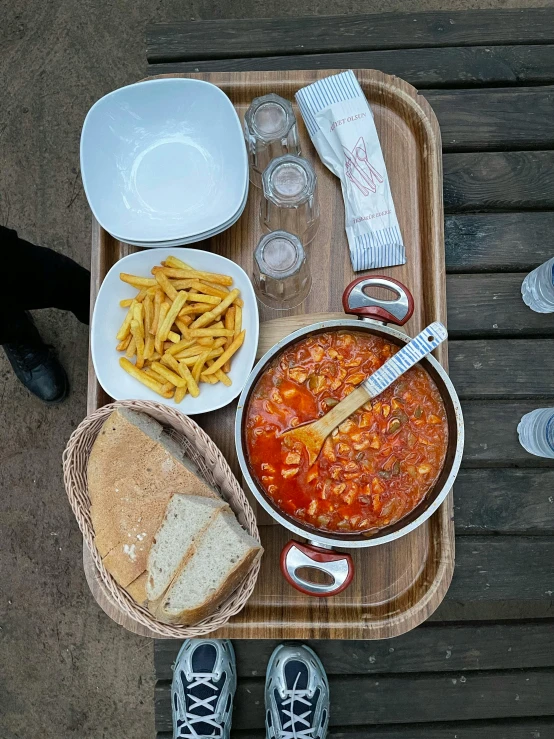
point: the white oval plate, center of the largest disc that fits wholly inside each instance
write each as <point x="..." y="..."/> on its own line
<point x="108" y="317"/>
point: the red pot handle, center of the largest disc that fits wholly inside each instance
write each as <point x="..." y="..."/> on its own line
<point x="336" y="564"/>
<point x="397" y="311"/>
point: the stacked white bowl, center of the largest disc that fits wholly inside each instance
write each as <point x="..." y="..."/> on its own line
<point x="164" y="162"/>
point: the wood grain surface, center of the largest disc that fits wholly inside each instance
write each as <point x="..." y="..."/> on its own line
<point x="500" y="577"/>
<point x="512" y="180"/>
<point x="478" y="120"/>
<point x="516" y="728"/>
<point x="490" y="306"/>
<point x="220" y="39"/>
<point x="450" y="648"/>
<point x="397" y="585"/>
<point x="498" y="242"/>
<point x="502" y="368"/>
<point x="456" y="66"/>
<point x="410" y="699"/>
<point x="490" y="501"/>
<point x="491" y="436"/>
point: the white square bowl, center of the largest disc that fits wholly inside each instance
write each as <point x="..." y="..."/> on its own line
<point x="163" y="159"/>
<point x="199" y="237"/>
<point x="108" y="316"/>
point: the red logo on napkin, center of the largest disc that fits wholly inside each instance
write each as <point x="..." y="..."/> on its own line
<point x="359" y="169"/>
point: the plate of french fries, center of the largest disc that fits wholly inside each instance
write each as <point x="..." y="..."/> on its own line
<point x="175" y="325"/>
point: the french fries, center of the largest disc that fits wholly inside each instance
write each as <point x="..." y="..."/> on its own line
<point x="229" y="324"/>
<point x="182" y="328"/>
<point x="141" y="376"/>
<point x="201" y="298"/>
<point x="180" y="393"/>
<point x="216" y="312"/>
<point x="126" y="325"/>
<point x="196" y="333"/>
<point x="137" y="329"/>
<point x="220" y="361"/>
<point x="170" y="376"/>
<point x="190" y="274"/>
<point x="139" y="282"/>
<point x="177" y="263"/>
<point x="158" y="343"/>
<point x="192" y="386"/>
<point x="158" y="300"/>
<point x="171" y="315"/>
<point x="166" y="285"/>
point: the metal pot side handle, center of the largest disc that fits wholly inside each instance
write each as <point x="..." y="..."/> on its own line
<point x="397" y="311"/>
<point x="337" y="565"/>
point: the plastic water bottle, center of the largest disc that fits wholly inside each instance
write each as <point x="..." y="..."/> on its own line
<point x="536" y="432"/>
<point x="537" y="289"/>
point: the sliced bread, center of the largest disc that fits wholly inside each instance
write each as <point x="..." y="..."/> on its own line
<point x="134" y="468"/>
<point x="221" y="559"/>
<point x="186" y="518"/>
<point x="137" y="589"/>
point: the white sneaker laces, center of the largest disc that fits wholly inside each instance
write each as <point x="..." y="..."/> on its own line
<point x="187" y="730"/>
<point x="291" y="728"/>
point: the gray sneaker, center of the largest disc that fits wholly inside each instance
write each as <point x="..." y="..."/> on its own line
<point x="203" y="688"/>
<point x="296" y="694"/>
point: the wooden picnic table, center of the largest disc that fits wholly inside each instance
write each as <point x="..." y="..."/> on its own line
<point x="483" y="666"/>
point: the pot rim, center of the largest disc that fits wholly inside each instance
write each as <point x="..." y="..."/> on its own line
<point x="313" y="535"/>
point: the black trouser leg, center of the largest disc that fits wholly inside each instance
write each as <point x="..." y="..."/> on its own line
<point x="37" y="277"/>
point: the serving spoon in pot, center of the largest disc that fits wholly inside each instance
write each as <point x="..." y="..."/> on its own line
<point x="312" y="435"/>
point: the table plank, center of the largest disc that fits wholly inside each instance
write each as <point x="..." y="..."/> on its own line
<point x="500" y="577"/>
<point x="451" y="648"/>
<point x="424" y="68"/>
<point x="534" y="728"/>
<point x="502" y="368"/>
<point x="425" y="697"/>
<point x="490" y="433"/>
<point x="490" y="305"/>
<point x="498" y="242"/>
<point x="505" y="501"/>
<point x="219" y="39"/>
<point x="520" y="180"/>
<point x="488" y="119"/>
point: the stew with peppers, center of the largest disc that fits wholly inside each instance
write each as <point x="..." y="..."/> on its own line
<point x="376" y="466"/>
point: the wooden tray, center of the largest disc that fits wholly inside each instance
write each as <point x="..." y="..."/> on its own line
<point x="397" y="585"/>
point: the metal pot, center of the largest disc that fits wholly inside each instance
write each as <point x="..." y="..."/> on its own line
<point x="318" y="553"/>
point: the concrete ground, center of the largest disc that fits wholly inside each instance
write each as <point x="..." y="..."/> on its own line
<point x="65" y="669"/>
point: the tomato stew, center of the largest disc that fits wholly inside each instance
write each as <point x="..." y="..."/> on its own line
<point x="376" y="466"/>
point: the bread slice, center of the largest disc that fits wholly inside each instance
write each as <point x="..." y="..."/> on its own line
<point x="222" y="557"/>
<point x="186" y="518"/>
<point x="137" y="589"/>
<point x="134" y="468"/>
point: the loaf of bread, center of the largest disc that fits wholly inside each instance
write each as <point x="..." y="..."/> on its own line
<point x="133" y="470"/>
<point x="197" y="560"/>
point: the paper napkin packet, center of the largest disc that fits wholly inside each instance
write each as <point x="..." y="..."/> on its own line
<point x="341" y="126"/>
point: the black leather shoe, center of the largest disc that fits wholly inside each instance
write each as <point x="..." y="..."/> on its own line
<point x="36" y="366"/>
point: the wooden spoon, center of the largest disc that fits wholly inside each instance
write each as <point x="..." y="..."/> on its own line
<point x="313" y="434"/>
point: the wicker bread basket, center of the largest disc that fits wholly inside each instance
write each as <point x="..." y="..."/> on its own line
<point x="215" y="470"/>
